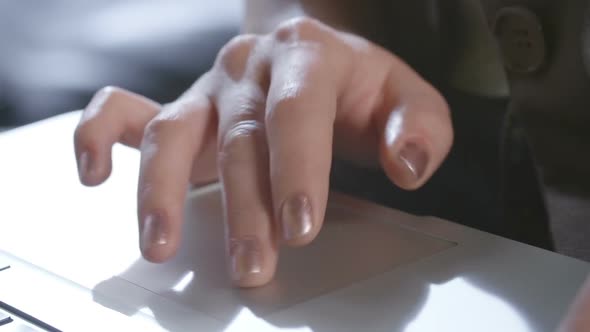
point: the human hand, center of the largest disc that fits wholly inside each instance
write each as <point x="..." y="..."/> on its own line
<point x="265" y="121"/>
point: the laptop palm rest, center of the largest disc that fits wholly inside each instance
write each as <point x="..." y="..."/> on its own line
<point x="350" y="248"/>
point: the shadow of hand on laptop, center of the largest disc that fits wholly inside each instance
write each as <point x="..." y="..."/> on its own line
<point x="323" y="282"/>
<point x="349" y="250"/>
<point x="235" y="309"/>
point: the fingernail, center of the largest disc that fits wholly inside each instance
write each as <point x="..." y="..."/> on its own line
<point x="245" y="258"/>
<point x="296" y="217"/>
<point x="154" y="233"/>
<point x="85" y="166"/>
<point x="414" y="158"/>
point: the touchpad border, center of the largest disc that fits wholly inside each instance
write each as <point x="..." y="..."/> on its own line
<point x="353" y="246"/>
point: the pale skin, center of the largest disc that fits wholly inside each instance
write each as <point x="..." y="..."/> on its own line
<point x="265" y="121"/>
<point x="578" y="319"/>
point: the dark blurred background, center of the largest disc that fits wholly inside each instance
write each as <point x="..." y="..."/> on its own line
<point x="55" y="54"/>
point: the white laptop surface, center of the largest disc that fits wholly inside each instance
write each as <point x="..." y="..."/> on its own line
<point x="75" y="263"/>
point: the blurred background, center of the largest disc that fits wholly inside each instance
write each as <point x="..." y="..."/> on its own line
<point x="55" y="54"/>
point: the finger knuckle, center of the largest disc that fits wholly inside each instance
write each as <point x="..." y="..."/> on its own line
<point x="101" y="100"/>
<point x="296" y="29"/>
<point x="105" y="96"/>
<point x="243" y="131"/>
<point x="239" y="138"/>
<point x="90" y="124"/>
<point x="109" y="91"/>
<point x="161" y="126"/>
<point x="83" y="135"/>
<point x="236" y="52"/>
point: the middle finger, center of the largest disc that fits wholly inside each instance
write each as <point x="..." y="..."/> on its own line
<point x="243" y="169"/>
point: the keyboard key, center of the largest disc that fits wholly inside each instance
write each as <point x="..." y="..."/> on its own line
<point x="23" y="316"/>
<point x="4" y="318"/>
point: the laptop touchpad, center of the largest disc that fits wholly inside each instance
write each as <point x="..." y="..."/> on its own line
<point x="350" y="248"/>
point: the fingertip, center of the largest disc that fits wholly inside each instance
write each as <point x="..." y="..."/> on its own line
<point x="409" y="163"/>
<point x="300" y="241"/>
<point x="416" y="137"/>
<point x="160" y="254"/>
<point x="252" y="282"/>
<point x="157" y="240"/>
<point x="154" y="256"/>
<point x="250" y="265"/>
<point x="92" y="169"/>
<point x="298" y="226"/>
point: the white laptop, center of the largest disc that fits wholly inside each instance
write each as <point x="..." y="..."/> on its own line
<point x="69" y="261"/>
